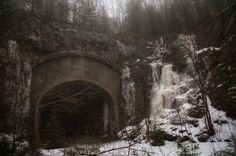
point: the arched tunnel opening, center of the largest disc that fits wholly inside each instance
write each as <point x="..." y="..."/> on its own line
<point x="74" y="113"/>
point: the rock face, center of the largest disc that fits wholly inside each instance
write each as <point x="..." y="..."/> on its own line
<point x="152" y="75"/>
<point x="151" y="78"/>
<point x="15" y="90"/>
<point x="156" y="74"/>
<point x="128" y="94"/>
<point x="221" y="77"/>
<point x="154" y="80"/>
<point x="26" y="41"/>
<point x="19" y="78"/>
<point x="151" y="72"/>
<point x="37" y="38"/>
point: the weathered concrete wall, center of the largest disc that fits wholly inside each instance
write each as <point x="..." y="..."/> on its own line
<point x="65" y="67"/>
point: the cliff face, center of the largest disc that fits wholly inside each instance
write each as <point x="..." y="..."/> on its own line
<point x="168" y="64"/>
<point x="222" y="79"/>
<point x="24" y="40"/>
<point x="35" y="39"/>
<point x="156" y="74"/>
<point x="34" y="36"/>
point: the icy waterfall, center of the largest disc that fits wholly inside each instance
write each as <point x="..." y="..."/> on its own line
<point x="121" y="48"/>
<point x="19" y="78"/>
<point x="128" y="93"/>
<point x="169" y="89"/>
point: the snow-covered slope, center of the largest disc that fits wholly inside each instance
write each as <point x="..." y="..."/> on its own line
<point x="224" y="128"/>
<point x="176" y="111"/>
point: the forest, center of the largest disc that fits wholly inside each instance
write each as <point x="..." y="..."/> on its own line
<point x="117" y="77"/>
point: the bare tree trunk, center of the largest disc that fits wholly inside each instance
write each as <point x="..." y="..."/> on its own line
<point x="201" y="84"/>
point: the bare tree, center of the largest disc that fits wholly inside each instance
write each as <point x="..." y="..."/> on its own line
<point x="201" y="82"/>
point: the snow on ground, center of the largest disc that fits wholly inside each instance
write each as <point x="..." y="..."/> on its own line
<point x="204" y="50"/>
<point x="175" y="122"/>
<point x="142" y="148"/>
<point x="223" y="127"/>
<point x="55" y="152"/>
<point x="167" y="87"/>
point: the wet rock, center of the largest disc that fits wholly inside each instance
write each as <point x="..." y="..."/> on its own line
<point x="182" y="131"/>
<point x="220" y="122"/>
<point x="217" y="122"/>
<point x="184" y="138"/>
<point x="159" y="136"/>
<point x="228" y="140"/>
<point x="193" y="141"/>
<point x="224" y="121"/>
<point x="169" y="137"/>
<point x="194" y="123"/>
<point x="203" y="138"/>
<point x="196" y="112"/>
<point x="174" y="129"/>
<point x="161" y="143"/>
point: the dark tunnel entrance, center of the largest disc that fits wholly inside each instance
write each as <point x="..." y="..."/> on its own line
<point x="75" y="112"/>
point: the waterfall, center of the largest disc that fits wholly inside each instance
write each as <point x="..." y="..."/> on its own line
<point x="168" y="77"/>
<point x="121" y="48"/>
<point x="19" y="79"/>
<point x="128" y="93"/>
<point x="13" y="50"/>
<point x="167" y="89"/>
<point x="155" y="88"/>
<point x="155" y="76"/>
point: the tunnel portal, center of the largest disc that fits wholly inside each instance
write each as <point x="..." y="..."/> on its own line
<point x="70" y="89"/>
<point x="74" y="111"/>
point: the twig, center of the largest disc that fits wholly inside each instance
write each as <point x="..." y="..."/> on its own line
<point x="61" y="100"/>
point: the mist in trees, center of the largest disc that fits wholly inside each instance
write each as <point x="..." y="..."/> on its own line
<point x="89" y="15"/>
<point x="149" y="18"/>
<point x="155" y="18"/>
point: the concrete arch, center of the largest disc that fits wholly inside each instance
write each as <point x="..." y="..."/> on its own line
<point x="66" y="67"/>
